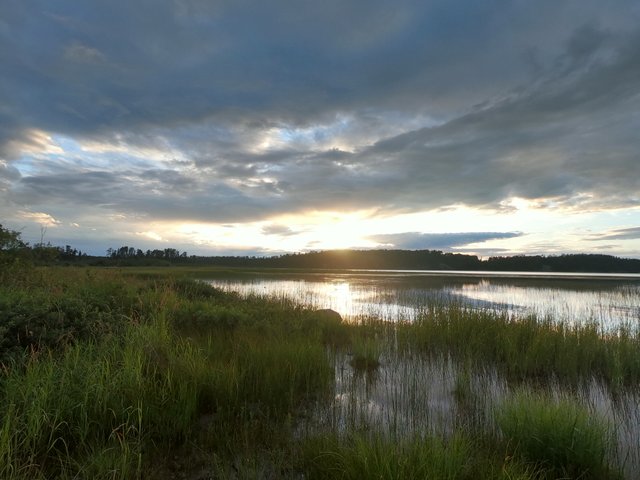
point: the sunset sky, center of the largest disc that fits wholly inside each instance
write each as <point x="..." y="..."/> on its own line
<point x="233" y="127"/>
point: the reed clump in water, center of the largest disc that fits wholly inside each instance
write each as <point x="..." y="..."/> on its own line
<point x="562" y="438"/>
<point x="528" y="348"/>
<point x="365" y="354"/>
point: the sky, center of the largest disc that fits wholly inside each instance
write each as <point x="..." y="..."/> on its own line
<point x="488" y="127"/>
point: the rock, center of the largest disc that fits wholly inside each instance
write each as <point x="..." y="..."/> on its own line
<point x="326" y="314"/>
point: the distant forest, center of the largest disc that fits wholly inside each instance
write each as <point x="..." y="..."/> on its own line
<point x="383" y="260"/>
<point x="13" y="249"/>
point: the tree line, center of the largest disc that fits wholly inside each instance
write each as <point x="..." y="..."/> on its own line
<point x="13" y="249"/>
<point x="126" y="252"/>
<point x="431" y="260"/>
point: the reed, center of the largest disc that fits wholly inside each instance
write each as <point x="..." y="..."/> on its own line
<point x="116" y="374"/>
<point x="528" y="348"/>
<point x="365" y="354"/>
<point x="373" y="456"/>
<point x="559" y="435"/>
<point x="97" y="404"/>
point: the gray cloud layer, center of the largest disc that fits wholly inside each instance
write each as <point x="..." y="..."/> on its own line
<point x="439" y="241"/>
<point x="398" y="107"/>
<point x="619" y="234"/>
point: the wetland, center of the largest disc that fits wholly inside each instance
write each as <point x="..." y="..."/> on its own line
<point x="226" y="373"/>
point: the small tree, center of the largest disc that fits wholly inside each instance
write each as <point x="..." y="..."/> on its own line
<point x="14" y="255"/>
<point x="10" y="241"/>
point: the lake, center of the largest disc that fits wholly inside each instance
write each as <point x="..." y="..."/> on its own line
<point x="416" y="394"/>
<point x="610" y="300"/>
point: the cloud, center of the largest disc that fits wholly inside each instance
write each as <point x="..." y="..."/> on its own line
<point x="275" y="229"/>
<point x="438" y="241"/>
<point x="223" y="112"/>
<point x="161" y="195"/>
<point x="8" y="174"/>
<point x="632" y="233"/>
<point x="151" y="235"/>
<point x="296" y="64"/>
<point x="81" y="53"/>
<point x="42" y="218"/>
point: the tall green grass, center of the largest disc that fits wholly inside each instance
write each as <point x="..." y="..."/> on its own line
<point x="528" y="348"/>
<point x="63" y="414"/>
<point x="101" y="405"/>
<point x="562" y="438"/>
<point x="110" y="374"/>
<point x="72" y="411"/>
<point x="372" y="456"/>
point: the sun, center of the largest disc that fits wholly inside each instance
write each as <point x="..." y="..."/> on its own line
<point x="326" y="230"/>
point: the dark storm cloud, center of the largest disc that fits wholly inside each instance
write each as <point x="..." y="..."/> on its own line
<point x="8" y="173"/>
<point x="105" y="65"/>
<point x="569" y="137"/>
<point x="437" y="103"/>
<point x="444" y="241"/>
<point x="554" y="140"/>
<point x="157" y="195"/>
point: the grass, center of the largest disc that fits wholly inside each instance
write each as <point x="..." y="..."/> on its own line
<point x="560" y="436"/>
<point x="374" y="456"/>
<point x="359" y="456"/>
<point x="101" y="402"/>
<point x="365" y="353"/>
<point x="528" y="348"/>
<point x="110" y="374"/>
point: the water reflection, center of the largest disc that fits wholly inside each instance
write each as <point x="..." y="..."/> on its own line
<point x="411" y="394"/>
<point x="405" y="397"/>
<point x="403" y="295"/>
<point x="605" y="307"/>
<point x="419" y="395"/>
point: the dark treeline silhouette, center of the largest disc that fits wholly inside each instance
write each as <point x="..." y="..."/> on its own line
<point x="379" y="260"/>
<point x="430" y="260"/>
<point x="564" y="263"/>
<point x="13" y="249"/>
<point x="356" y="259"/>
<point x="126" y="252"/>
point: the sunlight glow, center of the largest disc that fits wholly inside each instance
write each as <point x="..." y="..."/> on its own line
<point x="326" y="230"/>
<point x="35" y="142"/>
<point x="159" y="150"/>
<point x="151" y="235"/>
<point x="44" y="219"/>
<point x="542" y="230"/>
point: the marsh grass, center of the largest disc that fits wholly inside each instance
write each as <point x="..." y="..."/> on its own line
<point x="374" y="456"/>
<point x="365" y="354"/>
<point x="529" y="348"/>
<point x="559" y="435"/>
<point x="104" y="403"/>
<point x="75" y="409"/>
<point x="108" y="374"/>
<point x="361" y="456"/>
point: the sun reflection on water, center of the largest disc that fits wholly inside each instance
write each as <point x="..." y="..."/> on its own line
<point x="396" y="298"/>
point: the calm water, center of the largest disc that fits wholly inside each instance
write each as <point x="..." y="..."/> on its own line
<point x="401" y="295"/>
<point x="414" y="394"/>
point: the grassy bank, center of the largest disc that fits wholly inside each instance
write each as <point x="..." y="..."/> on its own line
<point x="140" y="374"/>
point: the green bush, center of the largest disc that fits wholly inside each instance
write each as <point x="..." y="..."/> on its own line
<point x="37" y="321"/>
<point x="202" y="315"/>
<point x="194" y="290"/>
